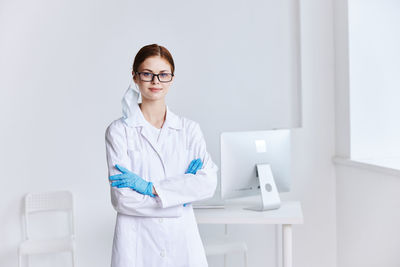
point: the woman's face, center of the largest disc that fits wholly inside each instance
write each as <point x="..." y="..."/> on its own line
<point x="153" y="90"/>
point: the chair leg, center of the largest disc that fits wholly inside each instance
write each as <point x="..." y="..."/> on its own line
<point x="226" y="235"/>
<point x="19" y="260"/>
<point x="73" y="258"/>
<point x="225" y="258"/>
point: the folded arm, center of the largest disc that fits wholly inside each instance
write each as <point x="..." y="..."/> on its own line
<point x="126" y="200"/>
<point x="185" y="188"/>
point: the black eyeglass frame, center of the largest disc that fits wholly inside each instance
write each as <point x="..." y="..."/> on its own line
<point x="152" y="77"/>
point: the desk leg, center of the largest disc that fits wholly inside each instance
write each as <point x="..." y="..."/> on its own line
<point x="278" y="245"/>
<point x="287" y="245"/>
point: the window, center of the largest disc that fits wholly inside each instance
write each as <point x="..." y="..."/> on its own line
<point x="374" y="57"/>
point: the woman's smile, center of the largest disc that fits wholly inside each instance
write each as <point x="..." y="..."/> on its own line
<point x="154" y="89"/>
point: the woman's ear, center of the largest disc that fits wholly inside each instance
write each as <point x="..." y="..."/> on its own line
<point x="134" y="77"/>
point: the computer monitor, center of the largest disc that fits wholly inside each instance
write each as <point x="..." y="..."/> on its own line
<point x="256" y="163"/>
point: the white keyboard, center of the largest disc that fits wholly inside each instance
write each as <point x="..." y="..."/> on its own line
<point x="208" y="206"/>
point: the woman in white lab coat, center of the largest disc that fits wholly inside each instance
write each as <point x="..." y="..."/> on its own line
<point x="150" y="152"/>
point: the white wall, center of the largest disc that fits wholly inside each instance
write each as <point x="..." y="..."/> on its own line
<point x="57" y="97"/>
<point x="314" y="185"/>
<point x="367" y="218"/>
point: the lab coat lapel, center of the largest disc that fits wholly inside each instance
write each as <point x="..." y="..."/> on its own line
<point x="172" y="123"/>
<point x="144" y="131"/>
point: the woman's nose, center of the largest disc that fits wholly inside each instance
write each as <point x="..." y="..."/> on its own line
<point x="155" y="80"/>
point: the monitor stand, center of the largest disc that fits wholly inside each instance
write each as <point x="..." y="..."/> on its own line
<point x="269" y="194"/>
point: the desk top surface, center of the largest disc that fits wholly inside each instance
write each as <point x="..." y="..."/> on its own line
<point x="289" y="213"/>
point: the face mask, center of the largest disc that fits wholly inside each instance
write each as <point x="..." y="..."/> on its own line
<point x="130" y="101"/>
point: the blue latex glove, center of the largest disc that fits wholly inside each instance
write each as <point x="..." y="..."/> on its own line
<point x="131" y="180"/>
<point x="194" y="166"/>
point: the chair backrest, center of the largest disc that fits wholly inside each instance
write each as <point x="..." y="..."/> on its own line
<point x="48" y="202"/>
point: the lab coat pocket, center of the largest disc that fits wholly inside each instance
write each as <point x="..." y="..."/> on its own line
<point x="125" y="241"/>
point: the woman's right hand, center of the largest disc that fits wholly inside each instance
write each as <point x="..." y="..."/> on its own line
<point x="131" y="180"/>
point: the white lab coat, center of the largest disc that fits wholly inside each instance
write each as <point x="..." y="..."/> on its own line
<point x="159" y="231"/>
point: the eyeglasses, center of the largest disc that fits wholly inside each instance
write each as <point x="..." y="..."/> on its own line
<point x="148" y="76"/>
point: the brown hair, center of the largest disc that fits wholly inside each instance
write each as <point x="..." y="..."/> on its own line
<point x="151" y="51"/>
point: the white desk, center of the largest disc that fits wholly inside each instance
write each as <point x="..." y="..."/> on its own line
<point x="288" y="214"/>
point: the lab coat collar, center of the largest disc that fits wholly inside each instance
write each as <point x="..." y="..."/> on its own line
<point x="171" y="121"/>
<point x="137" y="119"/>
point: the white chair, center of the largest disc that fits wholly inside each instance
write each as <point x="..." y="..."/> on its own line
<point x="225" y="247"/>
<point x="47" y="202"/>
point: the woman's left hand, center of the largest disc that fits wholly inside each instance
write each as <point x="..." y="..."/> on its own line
<point x="194" y="166"/>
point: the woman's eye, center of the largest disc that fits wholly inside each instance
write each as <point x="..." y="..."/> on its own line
<point x="164" y="75"/>
<point x="146" y="74"/>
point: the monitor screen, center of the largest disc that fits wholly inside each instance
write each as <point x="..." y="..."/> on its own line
<point x="242" y="151"/>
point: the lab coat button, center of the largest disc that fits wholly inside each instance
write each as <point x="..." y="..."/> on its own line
<point x="160" y="220"/>
<point x="162" y="253"/>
